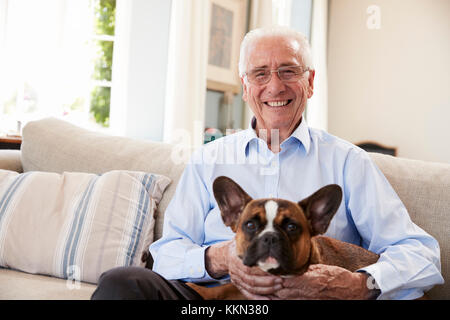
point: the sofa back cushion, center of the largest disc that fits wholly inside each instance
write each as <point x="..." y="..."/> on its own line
<point x="54" y="145"/>
<point x="77" y="225"/>
<point x="424" y="188"/>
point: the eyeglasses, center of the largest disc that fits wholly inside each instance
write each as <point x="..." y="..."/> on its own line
<point x="262" y="76"/>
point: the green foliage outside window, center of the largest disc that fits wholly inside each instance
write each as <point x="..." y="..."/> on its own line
<point x="103" y="61"/>
<point x="105" y="16"/>
<point x="105" y="12"/>
<point x="100" y="100"/>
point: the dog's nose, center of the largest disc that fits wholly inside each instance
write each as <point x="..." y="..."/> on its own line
<point x="269" y="238"/>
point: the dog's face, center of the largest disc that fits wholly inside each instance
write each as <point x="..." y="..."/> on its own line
<point x="275" y="234"/>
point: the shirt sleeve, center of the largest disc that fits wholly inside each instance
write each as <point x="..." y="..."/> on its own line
<point x="180" y="253"/>
<point x="409" y="262"/>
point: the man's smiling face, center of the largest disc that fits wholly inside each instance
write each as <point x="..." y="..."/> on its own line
<point x="277" y="104"/>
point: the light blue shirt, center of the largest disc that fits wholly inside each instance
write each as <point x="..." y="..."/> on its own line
<point x="370" y="215"/>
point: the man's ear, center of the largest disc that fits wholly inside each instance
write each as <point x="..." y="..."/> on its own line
<point x="312" y="74"/>
<point x="244" y="89"/>
<point x="231" y="200"/>
<point x="321" y="206"/>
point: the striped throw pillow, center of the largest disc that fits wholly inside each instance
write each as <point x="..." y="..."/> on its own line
<point x="77" y="225"/>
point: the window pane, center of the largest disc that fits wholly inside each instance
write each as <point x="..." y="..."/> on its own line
<point x="103" y="60"/>
<point x="100" y="102"/>
<point x="105" y="13"/>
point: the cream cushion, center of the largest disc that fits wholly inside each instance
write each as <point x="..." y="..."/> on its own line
<point x="17" y="285"/>
<point x="10" y="160"/>
<point x="77" y="225"/>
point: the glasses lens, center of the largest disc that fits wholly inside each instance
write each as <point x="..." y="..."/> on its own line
<point x="259" y="76"/>
<point x="289" y="73"/>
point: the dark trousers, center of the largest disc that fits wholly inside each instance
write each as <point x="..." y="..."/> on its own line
<point x="138" y="283"/>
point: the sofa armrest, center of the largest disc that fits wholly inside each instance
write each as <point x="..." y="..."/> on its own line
<point x="10" y="160"/>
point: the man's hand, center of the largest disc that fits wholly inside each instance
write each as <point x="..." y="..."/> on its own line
<point x="252" y="281"/>
<point x="326" y="282"/>
<point x="221" y="259"/>
<point x="319" y="282"/>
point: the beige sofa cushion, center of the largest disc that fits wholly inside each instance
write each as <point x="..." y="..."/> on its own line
<point x="77" y="225"/>
<point x="10" y="160"/>
<point x="17" y="285"/>
<point x="57" y="146"/>
<point x="424" y="188"/>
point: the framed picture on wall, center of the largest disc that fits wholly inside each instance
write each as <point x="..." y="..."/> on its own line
<point x="227" y="29"/>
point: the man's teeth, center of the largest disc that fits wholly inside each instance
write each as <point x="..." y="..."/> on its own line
<point x="277" y="103"/>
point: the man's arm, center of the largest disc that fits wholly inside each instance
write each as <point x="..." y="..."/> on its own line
<point x="216" y="259"/>
<point x="409" y="261"/>
<point x="328" y="282"/>
<point x="179" y="254"/>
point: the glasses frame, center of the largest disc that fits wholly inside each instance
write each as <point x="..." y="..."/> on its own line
<point x="303" y="71"/>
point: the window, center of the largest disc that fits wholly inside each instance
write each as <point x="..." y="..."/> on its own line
<point x="103" y="41"/>
<point x="56" y="60"/>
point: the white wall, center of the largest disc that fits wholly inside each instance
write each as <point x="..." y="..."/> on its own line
<point x="3" y="9"/>
<point x="391" y="84"/>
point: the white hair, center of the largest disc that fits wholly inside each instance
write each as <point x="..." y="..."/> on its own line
<point x="270" y="32"/>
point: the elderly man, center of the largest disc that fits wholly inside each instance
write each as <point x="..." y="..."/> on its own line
<point x="277" y="76"/>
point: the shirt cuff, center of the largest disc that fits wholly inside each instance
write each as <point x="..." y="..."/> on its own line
<point x="379" y="271"/>
<point x="195" y="266"/>
<point x="385" y="277"/>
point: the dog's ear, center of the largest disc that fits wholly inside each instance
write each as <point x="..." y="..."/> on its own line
<point x="231" y="200"/>
<point x="321" y="206"/>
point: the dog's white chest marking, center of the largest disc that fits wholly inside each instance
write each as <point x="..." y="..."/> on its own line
<point x="271" y="212"/>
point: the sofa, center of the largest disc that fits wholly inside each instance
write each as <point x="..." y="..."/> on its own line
<point x="53" y="145"/>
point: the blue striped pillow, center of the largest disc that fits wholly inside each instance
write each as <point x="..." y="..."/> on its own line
<point x="77" y="225"/>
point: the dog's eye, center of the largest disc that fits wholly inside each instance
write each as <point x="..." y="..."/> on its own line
<point x="290" y="227"/>
<point x="250" y="225"/>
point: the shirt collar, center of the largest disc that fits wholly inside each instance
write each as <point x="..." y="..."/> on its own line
<point x="301" y="134"/>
